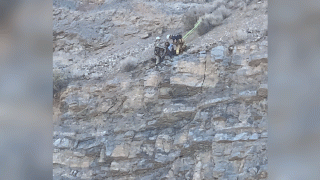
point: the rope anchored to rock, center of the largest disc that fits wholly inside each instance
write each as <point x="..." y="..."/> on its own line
<point x="192" y="30"/>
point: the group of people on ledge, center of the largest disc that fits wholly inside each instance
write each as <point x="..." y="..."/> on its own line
<point x="169" y="49"/>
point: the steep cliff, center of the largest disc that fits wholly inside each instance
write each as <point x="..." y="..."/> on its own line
<point x="199" y="115"/>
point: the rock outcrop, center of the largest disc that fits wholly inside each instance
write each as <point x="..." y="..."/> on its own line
<point x="199" y="115"/>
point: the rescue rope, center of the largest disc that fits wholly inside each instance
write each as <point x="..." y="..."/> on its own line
<point x="192" y="30"/>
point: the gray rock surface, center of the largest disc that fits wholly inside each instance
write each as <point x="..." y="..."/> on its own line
<point x="200" y="115"/>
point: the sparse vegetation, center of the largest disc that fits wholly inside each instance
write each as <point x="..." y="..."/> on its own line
<point x="60" y="81"/>
<point x="128" y="64"/>
<point x="191" y="17"/>
<point x="239" y="36"/>
<point x="211" y="16"/>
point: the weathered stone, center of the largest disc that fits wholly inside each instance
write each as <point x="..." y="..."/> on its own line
<point x="176" y="112"/>
<point x="218" y="150"/>
<point x="207" y="172"/>
<point x="262" y="172"/>
<point x="247" y="94"/>
<point x="232" y="177"/>
<point x="202" y="54"/>
<point x="217" y="53"/>
<point x="253" y="171"/>
<point x="63" y="158"/>
<point x="64" y="134"/>
<point x="79" y="154"/>
<point x="152" y="122"/>
<point x="254" y="136"/>
<point x="194" y="50"/>
<point x="263" y="90"/>
<point x="181" y="138"/>
<point x="211" y="79"/>
<point x="178" y="108"/>
<point x="188" y="73"/>
<point x="117" y="105"/>
<point x="201" y="116"/>
<point x="236" y="60"/>
<point x="144" y="35"/>
<point x="235" y="156"/>
<point x="162" y="158"/>
<point x="99" y="133"/>
<point x="105" y="106"/>
<point x="227" y="150"/>
<point x="135" y="149"/>
<point x="105" y="169"/>
<point x="125" y="166"/>
<point x="62" y="143"/>
<point x="242" y="136"/>
<point x="150" y="93"/>
<point x="110" y="146"/>
<point x="165" y="92"/>
<point x="130" y="32"/>
<point x="129" y="134"/>
<point x="133" y="100"/>
<point x="193" y="116"/>
<point x="152" y="80"/>
<point x="256" y="59"/>
<point x="197" y="171"/>
<point x="222" y="138"/>
<point x="211" y="102"/>
<point x="148" y="149"/>
<point x="89" y="143"/>
<point x="115" y="166"/>
<point x="217" y="173"/>
<point x="264" y="135"/>
<point x="102" y="156"/>
<point x="187" y="80"/>
<point x="121" y="150"/>
<point x="144" y="164"/>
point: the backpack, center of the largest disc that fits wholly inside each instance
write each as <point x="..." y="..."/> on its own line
<point x="176" y="37"/>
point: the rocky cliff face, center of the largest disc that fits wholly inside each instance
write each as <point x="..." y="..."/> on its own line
<point x="200" y="115"/>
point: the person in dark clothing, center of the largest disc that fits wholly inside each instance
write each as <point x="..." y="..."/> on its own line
<point x="158" y="50"/>
<point x="178" y="42"/>
<point x="169" y="49"/>
<point x="175" y="38"/>
<point x="160" y="53"/>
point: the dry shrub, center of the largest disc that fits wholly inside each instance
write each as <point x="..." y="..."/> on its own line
<point x="209" y="21"/>
<point x="224" y="11"/>
<point x="211" y="16"/>
<point x="60" y="81"/>
<point x="128" y="64"/>
<point x="239" y="36"/>
<point x="191" y="17"/>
